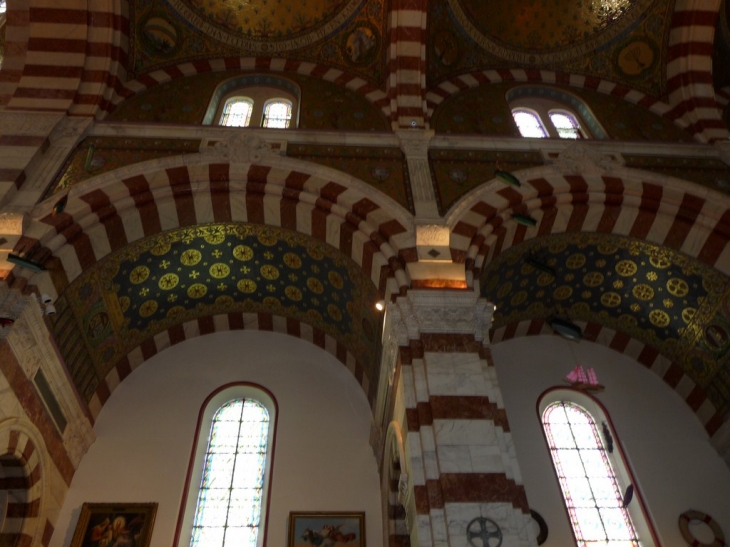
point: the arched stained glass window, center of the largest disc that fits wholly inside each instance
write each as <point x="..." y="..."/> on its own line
<point x="277" y="114"/>
<point x="237" y="112"/>
<point x="228" y="511"/>
<point x="529" y="124"/>
<point x="566" y="125"/>
<point x="590" y="489"/>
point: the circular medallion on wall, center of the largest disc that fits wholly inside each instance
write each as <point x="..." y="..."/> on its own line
<point x="636" y="58"/>
<point x="360" y="45"/>
<point x="159" y="36"/>
<point x="446" y="47"/>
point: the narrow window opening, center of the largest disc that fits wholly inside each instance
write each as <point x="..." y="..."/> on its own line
<point x="237" y="112"/>
<point x="277" y="114"/>
<point x="229" y="507"/>
<point x="566" y="125"/>
<point x="529" y="124"/>
<point x="588" y="482"/>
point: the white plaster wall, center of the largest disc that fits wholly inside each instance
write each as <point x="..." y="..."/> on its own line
<point x="668" y="450"/>
<point x="323" y="460"/>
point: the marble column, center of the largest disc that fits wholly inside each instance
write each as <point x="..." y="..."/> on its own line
<point x="460" y="464"/>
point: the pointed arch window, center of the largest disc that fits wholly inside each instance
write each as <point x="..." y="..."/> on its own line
<point x="529" y="124"/>
<point x="277" y="114"/>
<point x="237" y="112"/>
<point x="230" y="471"/>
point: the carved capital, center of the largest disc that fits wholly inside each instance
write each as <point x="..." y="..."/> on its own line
<point x="13" y="223"/>
<point x="449" y="312"/>
<point x="580" y="158"/>
<point x="415" y="143"/>
<point x="69" y="131"/>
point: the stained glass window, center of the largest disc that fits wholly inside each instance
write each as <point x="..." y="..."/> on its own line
<point x="529" y="124"/>
<point x="588" y="482"/>
<point x="277" y="114"/>
<point x="237" y="112"/>
<point x="566" y="125"/>
<point x="228" y="512"/>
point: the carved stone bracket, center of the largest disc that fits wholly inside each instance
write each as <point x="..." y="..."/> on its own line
<point x="415" y="144"/>
<point x="241" y="149"/>
<point x="13" y="223"/>
<point x="580" y="158"/>
<point x="449" y="312"/>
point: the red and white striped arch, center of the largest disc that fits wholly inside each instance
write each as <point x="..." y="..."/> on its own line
<point x="125" y="90"/>
<point x="689" y="69"/>
<point x="406" y="55"/>
<point x="670" y="372"/>
<point x="53" y="51"/>
<point x="21" y="479"/>
<point x="115" y="209"/>
<point x="222" y="323"/>
<point x="450" y="87"/>
<point x="675" y="214"/>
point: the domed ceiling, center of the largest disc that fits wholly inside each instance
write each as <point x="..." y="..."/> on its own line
<point x="346" y="33"/>
<point x="247" y="22"/>
<point x="665" y="299"/>
<point x="624" y="41"/>
<point x="542" y="26"/>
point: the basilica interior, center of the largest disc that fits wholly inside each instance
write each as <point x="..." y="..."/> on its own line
<point x="409" y="229"/>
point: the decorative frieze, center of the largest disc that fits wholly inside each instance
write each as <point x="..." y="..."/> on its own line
<point x="445" y="312"/>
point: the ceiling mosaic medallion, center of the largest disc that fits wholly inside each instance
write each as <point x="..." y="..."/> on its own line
<point x="181" y="275"/>
<point x="660" y="297"/>
<point x="546" y="31"/>
<point x="269" y="26"/>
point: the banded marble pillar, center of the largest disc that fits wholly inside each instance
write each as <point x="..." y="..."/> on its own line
<point x="460" y="463"/>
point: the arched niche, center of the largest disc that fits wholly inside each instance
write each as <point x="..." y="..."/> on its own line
<point x="322" y="461"/>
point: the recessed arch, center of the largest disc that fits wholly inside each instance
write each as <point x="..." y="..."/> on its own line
<point x="117" y="208"/>
<point x="277" y="67"/>
<point x="21" y="481"/>
<point x="622" y="201"/>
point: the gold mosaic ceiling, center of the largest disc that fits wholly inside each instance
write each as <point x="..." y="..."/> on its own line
<point x="168" y="279"/>
<point x="541" y="26"/>
<point x="667" y="300"/>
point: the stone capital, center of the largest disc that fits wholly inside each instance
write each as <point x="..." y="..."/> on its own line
<point x="415" y="142"/>
<point x="440" y="312"/>
<point x="13" y="222"/>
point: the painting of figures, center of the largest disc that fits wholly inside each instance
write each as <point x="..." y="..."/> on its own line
<point x="332" y="529"/>
<point x="115" y="525"/>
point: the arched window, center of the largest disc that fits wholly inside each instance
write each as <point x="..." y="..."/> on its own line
<point x="565" y="124"/>
<point x="277" y="114"/>
<point x="593" y="476"/>
<point x="558" y="113"/>
<point x="272" y="102"/>
<point x="237" y="112"/>
<point x="529" y="124"/>
<point x="227" y="498"/>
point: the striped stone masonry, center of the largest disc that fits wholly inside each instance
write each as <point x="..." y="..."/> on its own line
<point x="460" y="459"/>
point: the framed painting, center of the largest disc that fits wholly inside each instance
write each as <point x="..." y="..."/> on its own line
<point x="115" y="525"/>
<point x="328" y="529"/>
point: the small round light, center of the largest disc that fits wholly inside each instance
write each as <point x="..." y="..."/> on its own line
<point x="380" y="305"/>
